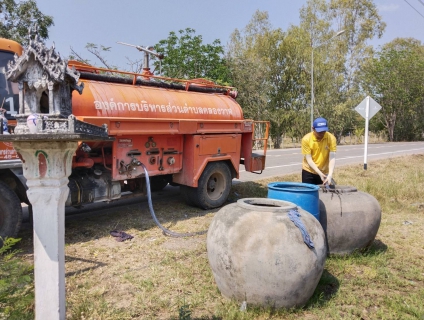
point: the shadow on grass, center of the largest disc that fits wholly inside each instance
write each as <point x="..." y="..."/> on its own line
<point x="94" y="221"/>
<point x="327" y="287"/>
<point x="376" y="248"/>
<point x="168" y="206"/>
<point x="94" y="265"/>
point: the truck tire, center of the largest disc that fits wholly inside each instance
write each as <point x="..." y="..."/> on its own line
<point x="189" y="194"/>
<point x="214" y="186"/>
<point x="157" y="183"/>
<point x="10" y="212"/>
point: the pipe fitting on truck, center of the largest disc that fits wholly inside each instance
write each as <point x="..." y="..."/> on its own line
<point x="135" y="162"/>
<point x="129" y="168"/>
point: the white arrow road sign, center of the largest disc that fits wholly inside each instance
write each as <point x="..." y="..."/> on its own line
<point x="374" y="107"/>
<point x="367" y="109"/>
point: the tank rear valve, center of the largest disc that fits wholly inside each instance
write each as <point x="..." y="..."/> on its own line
<point x="135" y="162"/>
<point x="128" y="168"/>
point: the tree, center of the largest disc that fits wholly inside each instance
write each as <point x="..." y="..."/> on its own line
<point x="394" y="77"/>
<point x="187" y="57"/>
<point x="97" y="51"/>
<point x="271" y="68"/>
<point x="16" y="17"/>
<point x="288" y="106"/>
<point x="247" y="60"/>
<point x="264" y="67"/>
<point x="336" y="63"/>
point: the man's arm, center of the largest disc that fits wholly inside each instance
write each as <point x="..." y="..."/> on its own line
<point x="331" y="167"/>
<point x="314" y="166"/>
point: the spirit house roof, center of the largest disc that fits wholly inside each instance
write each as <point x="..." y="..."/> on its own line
<point x="51" y="66"/>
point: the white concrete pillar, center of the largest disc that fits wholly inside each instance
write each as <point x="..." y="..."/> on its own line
<point x="46" y="166"/>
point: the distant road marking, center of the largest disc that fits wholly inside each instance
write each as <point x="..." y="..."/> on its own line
<point x="345" y="149"/>
<point x="378" y="154"/>
<point x="345" y="158"/>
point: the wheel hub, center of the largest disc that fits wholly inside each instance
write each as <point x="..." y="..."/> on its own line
<point x="212" y="184"/>
<point x="215" y="186"/>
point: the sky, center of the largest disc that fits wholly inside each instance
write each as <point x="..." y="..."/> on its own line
<point x="145" y="23"/>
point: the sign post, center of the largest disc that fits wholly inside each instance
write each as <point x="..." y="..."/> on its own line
<point x="367" y="109"/>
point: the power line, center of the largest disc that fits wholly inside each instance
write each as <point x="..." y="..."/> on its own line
<point x="421" y="2"/>
<point x="414" y="8"/>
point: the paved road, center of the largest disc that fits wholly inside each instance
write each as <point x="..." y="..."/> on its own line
<point x="286" y="161"/>
<point x="280" y="162"/>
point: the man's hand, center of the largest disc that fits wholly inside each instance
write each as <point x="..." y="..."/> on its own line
<point x="327" y="180"/>
<point x="332" y="164"/>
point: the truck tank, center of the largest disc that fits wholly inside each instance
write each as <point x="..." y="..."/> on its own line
<point x="179" y="129"/>
<point x="156" y="101"/>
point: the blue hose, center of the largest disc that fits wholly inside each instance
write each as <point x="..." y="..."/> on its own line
<point x="152" y="212"/>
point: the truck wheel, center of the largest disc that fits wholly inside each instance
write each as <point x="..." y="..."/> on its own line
<point x="157" y="183"/>
<point x="214" y="186"/>
<point x="189" y="195"/>
<point x="10" y="212"/>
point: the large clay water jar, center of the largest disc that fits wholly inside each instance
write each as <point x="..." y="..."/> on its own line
<point x="350" y="218"/>
<point x="305" y="195"/>
<point x="258" y="255"/>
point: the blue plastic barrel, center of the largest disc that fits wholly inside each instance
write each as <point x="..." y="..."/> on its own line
<point x="304" y="195"/>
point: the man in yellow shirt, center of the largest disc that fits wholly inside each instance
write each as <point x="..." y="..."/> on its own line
<point x="319" y="154"/>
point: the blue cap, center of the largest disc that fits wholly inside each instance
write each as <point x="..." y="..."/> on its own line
<point x="320" y="125"/>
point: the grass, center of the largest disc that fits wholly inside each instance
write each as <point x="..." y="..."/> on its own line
<point x="158" y="277"/>
<point x="16" y="284"/>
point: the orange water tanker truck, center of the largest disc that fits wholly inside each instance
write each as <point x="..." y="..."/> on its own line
<point x="187" y="133"/>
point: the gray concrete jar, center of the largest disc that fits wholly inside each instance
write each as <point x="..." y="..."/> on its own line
<point x="350" y="218"/>
<point x="258" y="255"/>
